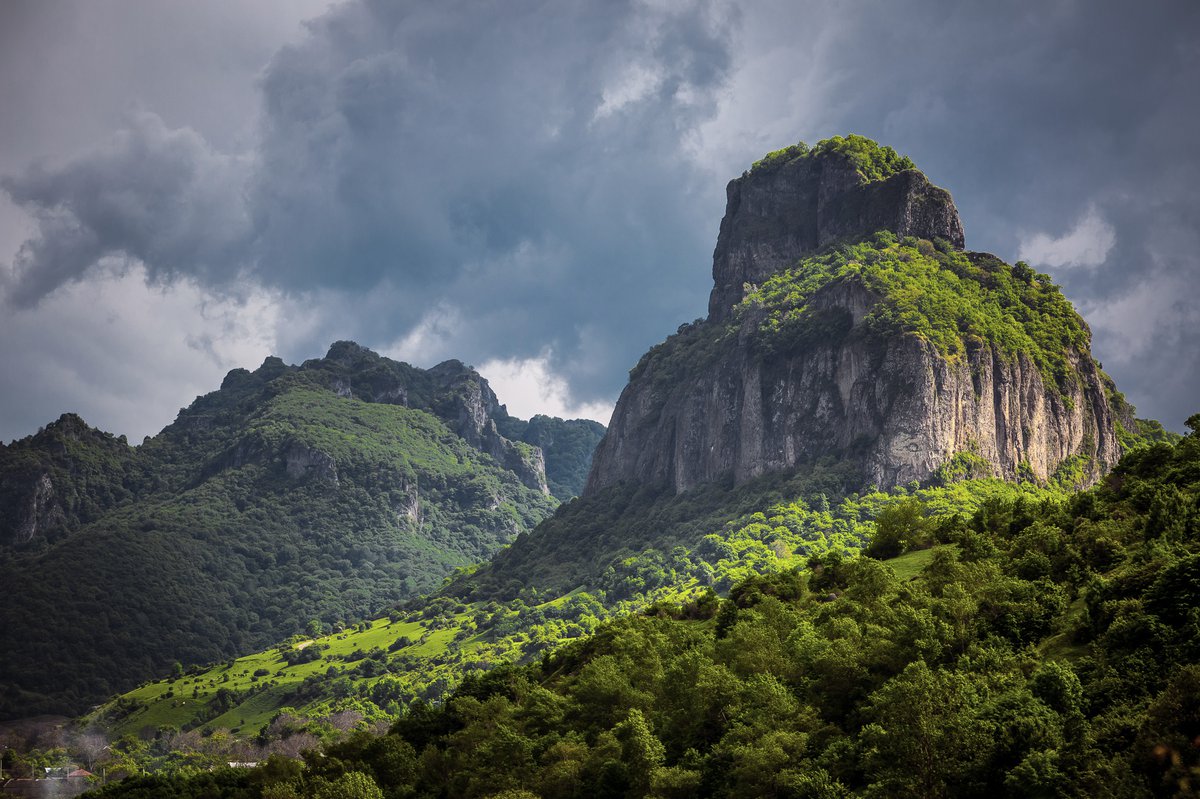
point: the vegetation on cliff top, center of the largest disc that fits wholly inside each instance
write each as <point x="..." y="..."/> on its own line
<point x="872" y="161"/>
<point x="941" y="294"/>
<point x="950" y="298"/>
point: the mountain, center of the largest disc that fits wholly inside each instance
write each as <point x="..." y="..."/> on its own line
<point x="851" y="345"/>
<point x="846" y="320"/>
<point x="971" y="590"/>
<point x="293" y="494"/>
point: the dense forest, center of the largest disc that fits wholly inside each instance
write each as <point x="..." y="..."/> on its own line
<point x="1039" y="646"/>
<point x="323" y="493"/>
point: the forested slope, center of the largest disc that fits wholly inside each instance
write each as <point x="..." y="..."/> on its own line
<point x="1034" y="648"/>
<point x="326" y="492"/>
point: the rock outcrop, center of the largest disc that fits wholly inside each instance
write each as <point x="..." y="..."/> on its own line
<point x="468" y="404"/>
<point x="893" y="405"/>
<point x="897" y="408"/>
<point x="778" y="213"/>
<point x="302" y="462"/>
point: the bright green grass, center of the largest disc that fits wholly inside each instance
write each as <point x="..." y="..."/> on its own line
<point x="460" y="637"/>
<point x="181" y="708"/>
<point x="182" y="703"/>
<point x="910" y="564"/>
<point x="253" y="714"/>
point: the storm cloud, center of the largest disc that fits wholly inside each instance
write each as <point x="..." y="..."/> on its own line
<point x="160" y="197"/>
<point x="539" y="185"/>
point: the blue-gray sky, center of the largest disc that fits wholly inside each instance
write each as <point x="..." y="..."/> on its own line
<point x="535" y="187"/>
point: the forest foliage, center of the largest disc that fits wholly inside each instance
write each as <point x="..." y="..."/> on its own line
<point x="872" y="161"/>
<point x="1039" y="645"/>
<point x="327" y="492"/>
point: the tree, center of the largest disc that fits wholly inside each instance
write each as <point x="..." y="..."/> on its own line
<point x="351" y="785"/>
<point x="899" y="527"/>
<point x="925" y="737"/>
<point x="641" y="751"/>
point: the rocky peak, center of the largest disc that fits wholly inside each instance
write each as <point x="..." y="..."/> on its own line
<point x="797" y="201"/>
<point x="451" y="391"/>
<point x="66" y="474"/>
<point x="466" y="401"/>
<point x="846" y="322"/>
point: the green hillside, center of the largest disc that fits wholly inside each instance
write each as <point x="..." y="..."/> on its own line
<point x="420" y="653"/>
<point x="326" y="492"/>
<point x="948" y="297"/>
<point x="1041" y="645"/>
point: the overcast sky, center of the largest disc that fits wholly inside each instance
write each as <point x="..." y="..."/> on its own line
<point x="535" y="187"/>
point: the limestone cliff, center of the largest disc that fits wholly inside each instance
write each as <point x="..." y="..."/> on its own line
<point x="890" y="353"/>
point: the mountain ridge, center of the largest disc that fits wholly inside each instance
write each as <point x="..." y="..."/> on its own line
<point x="327" y="491"/>
<point x="831" y="648"/>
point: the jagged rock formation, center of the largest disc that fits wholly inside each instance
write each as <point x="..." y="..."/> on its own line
<point x="734" y="395"/>
<point x="471" y="408"/>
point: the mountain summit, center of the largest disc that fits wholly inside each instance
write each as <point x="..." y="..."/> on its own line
<point x="796" y="201"/>
<point x="847" y="322"/>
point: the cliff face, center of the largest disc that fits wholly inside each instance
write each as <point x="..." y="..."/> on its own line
<point x="898" y="408"/>
<point x="778" y="213"/>
<point x="470" y="407"/>
<point x="732" y="396"/>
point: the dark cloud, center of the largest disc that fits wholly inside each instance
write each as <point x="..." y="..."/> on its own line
<point x="159" y="196"/>
<point x="492" y="181"/>
<point x="489" y="158"/>
<point x="524" y="164"/>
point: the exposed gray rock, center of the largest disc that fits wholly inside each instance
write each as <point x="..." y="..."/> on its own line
<point x="893" y="406"/>
<point x="303" y="462"/>
<point x="41" y="511"/>
<point x="775" y="215"/>
<point x="896" y="407"/>
<point x="469" y="406"/>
